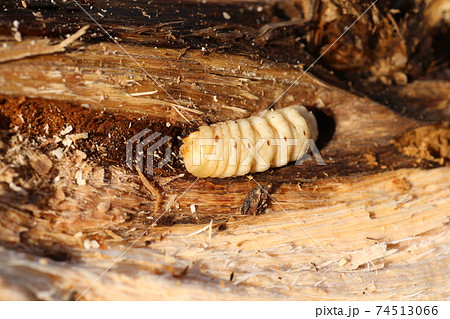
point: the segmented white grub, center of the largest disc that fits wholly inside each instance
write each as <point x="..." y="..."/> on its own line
<point x="250" y="145"/>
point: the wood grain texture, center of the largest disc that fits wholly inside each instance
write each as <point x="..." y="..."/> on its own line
<point x="380" y="233"/>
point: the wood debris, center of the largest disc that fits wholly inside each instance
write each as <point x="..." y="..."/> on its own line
<point x="40" y="163"/>
<point x="154" y="190"/>
<point x="37" y="47"/>
<point x="256" y="201"/>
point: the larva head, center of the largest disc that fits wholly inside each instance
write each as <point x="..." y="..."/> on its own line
<point x="186" y="147"/>
<point x="197" y="148"/>
<point x="186" y="151"/>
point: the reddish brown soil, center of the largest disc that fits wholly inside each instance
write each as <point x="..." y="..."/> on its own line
<point x="427" y="142"/>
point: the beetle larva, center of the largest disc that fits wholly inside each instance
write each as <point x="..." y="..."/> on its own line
<point x="250" y="145"/>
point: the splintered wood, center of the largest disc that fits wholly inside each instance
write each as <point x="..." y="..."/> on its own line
<point x="16" y="51"/>
<point x="377" y="233"/>
<point x="154" y="190"/>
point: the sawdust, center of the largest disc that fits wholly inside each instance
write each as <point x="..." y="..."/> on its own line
<point x="430" y="143"/>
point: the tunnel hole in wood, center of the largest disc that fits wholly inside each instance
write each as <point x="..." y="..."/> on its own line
<point x="326" y="125"/>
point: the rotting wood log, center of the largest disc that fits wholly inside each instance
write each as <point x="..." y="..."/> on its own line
<point x="371" y="223"/>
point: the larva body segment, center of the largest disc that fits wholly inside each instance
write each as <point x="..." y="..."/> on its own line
<point x="284" y="134"/>
<point x="223" y="157"/>
<point x="233" y="154"/>
<point x="235" y="148"/>
<point x="264" y="133"/>
<point x="246" y="155"/>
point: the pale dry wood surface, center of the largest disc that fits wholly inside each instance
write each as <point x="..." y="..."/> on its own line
<point x="103" y="77"/>
<point x="393" y="246"/>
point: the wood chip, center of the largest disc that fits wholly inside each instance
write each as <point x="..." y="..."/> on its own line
<point x="256" y="201"/>
<point x="153" y="189"/>
<point x="37" y="47"/>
